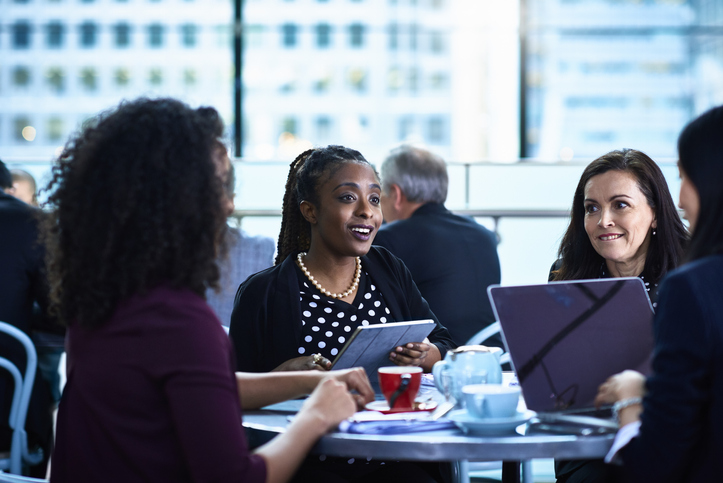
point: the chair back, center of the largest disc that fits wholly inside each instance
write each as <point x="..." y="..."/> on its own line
<point x="23" y="387"/>
<point x="8" y="478"/>
<point x="480" y="337"/>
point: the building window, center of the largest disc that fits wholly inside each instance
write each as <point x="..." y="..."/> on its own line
<point x="288" y="34"/>
<point x="56" y="32"/>
<point x="289" y="126"/>
<point x="21" y="34"/>
<point x="358" y="80"/>
<point x="122" y="77"/>
<point x="356" y="35"/>
<point x="435" y="130"/>
<point x="155" y="77"/>
<point x="88" y="34"/>
<point x="56" y="79"/>
<point x="190" y="78"/>
<point x="254" y="35"/>
<point x="436" y="42"/>
<point x="55" y="129"/>
<point x="188" y="35"/>
<point x="323" y="35"/>
<point x="122" y="34"/>
<point x="413" y="36"/>
<point x="22" y="129"/>
<point x="406" y="127"/>
<point x="413" y="80"/>
<point x="323" y="84"/>
<point x="155" y="35"/>
<point x="21" y="76"/>
<point x="438" y="81"/>
<point x="89" y="79"/>
<point x="394" y="79"/>
<point x="393" y="30"/>
<point x="323" y="127"/>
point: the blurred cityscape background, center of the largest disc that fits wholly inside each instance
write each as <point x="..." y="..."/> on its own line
<point x="517" y="95"/>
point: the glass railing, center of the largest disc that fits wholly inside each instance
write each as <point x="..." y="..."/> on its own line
<point x="526" y="203"/>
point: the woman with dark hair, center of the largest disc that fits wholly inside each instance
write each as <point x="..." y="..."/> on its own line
<point x="151" y="393"/>
<point x="672" y="423"/>
<point x="328" y="278"/>
<point x="623" y="224"/>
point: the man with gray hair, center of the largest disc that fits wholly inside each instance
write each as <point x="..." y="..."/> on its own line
<point x="452" y="258"/>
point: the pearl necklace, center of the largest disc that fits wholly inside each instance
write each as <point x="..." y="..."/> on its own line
<point x="349" y="291"/>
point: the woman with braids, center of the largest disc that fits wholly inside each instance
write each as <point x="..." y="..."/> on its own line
<point x="624" y="224"/>
<point x="328" y="279"/>
<point x="151" y="393"/>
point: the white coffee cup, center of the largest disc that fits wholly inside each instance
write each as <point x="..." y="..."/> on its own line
<point x="491" y="400"/>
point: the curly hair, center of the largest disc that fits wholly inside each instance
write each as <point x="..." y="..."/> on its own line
<point x="579" y="260"/>
<point x="305" y="175"/>
<point x="137" y="204"/>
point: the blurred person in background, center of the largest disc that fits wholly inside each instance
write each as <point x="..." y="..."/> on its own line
<point x="23" y="304"/>
<point x="452" y="258"/>
<point x="246" y="256"/>
<point x="623" y="224"/>
<point x="24" y="187"/>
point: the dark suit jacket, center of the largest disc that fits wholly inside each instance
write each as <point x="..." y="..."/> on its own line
<point x="681" y="432"/>
<point x="266" y="319"/>
<point x="453" y="260"/>
<point x="22" y="284"/>
<point x="21" y="263"/>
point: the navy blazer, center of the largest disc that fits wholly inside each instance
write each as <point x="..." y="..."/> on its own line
<point x="453" y="259"/>
<point x="266" y="319"/>
<point x="681" y="432"/>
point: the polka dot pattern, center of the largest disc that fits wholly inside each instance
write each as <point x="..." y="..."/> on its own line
<point x="327" y="323"/>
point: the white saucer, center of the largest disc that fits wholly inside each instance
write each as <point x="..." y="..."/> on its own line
<point x="488" y="426"/>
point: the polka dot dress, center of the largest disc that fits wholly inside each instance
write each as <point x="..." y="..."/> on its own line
<point x="328" y="323"/>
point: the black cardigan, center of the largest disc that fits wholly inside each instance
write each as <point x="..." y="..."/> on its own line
<point x="266" y="319"/>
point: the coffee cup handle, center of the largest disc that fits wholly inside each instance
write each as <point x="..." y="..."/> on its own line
<point x="479" y="402"/>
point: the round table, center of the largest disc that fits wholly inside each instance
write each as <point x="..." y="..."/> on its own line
<point x="448" y="445"/>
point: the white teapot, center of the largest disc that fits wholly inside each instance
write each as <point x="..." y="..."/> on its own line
<point x="470" y="364"/>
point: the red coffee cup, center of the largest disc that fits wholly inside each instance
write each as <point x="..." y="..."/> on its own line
<point x="400" y="385"/>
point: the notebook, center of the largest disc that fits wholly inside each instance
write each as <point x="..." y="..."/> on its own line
<point x="369" y="345"/>
<point x="566" y="338"/>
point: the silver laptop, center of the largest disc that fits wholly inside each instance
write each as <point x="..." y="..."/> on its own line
<point x="566" y="338"/>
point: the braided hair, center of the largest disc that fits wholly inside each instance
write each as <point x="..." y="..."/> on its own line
<point x="305" y="176"/>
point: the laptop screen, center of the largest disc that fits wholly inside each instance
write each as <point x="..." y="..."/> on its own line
<point x="566" y="338"/>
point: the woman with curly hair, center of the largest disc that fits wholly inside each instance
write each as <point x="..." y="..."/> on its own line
<point x="151" y="393"/>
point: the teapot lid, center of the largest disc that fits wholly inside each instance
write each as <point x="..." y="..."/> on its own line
<point x="471" y="348"/>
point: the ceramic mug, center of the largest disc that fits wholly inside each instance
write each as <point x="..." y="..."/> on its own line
<point x="491" y="400"/>
<point x="400" y="385"/>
